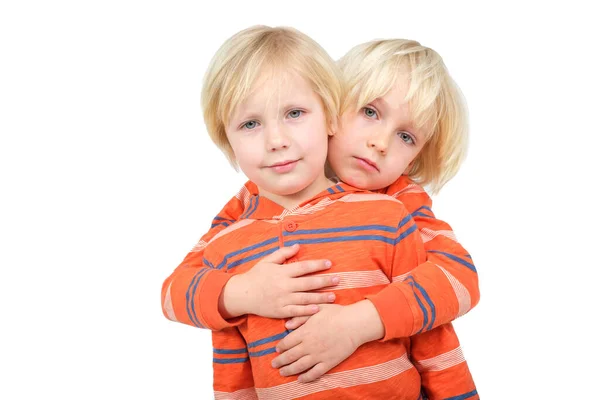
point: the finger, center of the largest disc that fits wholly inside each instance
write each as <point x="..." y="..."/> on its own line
<point x="309" y="283"/>
<point x="291" y="340"/>
<point x="300" y="311"/>
<point x="307" y="267"/>
<point x="288" y="357"/>
<point x="297" y="367"/>
<point x="314" y="373"/>
<point x="312" y="298"/>
<point x="281" y="255"/>
<point x="296" y="322"/>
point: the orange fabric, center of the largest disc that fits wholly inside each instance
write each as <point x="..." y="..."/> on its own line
<point x="437" y="291"/>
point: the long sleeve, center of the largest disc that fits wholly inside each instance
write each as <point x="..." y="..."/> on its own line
<point x="436" y="353"/>
<point x="439" y="359"/>
<point x="190" y="295"/>
<point x="232" y="372"/>
<point x="438" y="290"/>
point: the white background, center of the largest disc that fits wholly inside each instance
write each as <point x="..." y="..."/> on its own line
<point x="108" y="178"/>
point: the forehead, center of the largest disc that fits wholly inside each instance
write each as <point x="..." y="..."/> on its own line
<point x="417" y="110"/>
<point x="278" y="85"/>
<point x="395" y="100"/>
<point x="394" y="103"/>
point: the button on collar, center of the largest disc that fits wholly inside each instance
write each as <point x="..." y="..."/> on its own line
<point x="290" y="226"/>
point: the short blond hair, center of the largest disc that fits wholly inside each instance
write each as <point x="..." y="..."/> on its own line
<point x="240" y="61"/>
<point x="368" y="72"/>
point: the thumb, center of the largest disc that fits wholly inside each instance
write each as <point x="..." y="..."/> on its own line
<point x="282" y="254"/>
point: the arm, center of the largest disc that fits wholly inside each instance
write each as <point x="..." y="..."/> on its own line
<point x="333" y="334"/>
<point x="438" y="290"/>
<point x="439" y="359"/>
<point x="232" y="372"/>
<point x="365" y="320"/>
<point x="180" y="297"/>
<point x="198" y="295"/>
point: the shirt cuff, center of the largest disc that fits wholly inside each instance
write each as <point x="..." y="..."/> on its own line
<point x="395" y="313"/>
<point x="212" y="286"/>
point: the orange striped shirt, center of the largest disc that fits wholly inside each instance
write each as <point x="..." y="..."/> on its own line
<point x="439" y="290"/>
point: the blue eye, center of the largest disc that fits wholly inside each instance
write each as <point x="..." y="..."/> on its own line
<point x="295" y="113"/>
<point x="369" y="112"/>
<point x="250" y="125"/>
<point x="406" y="137"/>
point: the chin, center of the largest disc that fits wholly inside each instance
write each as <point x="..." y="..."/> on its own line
<point x="290" y="189"/>
<point x="353" y="180"/>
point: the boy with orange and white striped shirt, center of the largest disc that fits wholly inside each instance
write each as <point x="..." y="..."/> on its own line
<point x="340" y="209"/>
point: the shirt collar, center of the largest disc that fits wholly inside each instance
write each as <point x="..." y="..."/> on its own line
<point x="260" y="207"/>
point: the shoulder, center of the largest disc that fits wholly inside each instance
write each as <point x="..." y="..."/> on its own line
<point x="368" y="206"/>
<point x="238" y="227"/>
<point x="411" y="194"/>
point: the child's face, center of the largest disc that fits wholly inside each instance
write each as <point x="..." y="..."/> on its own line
<point x="376" y="144"/>
<point x="279" y="137"/>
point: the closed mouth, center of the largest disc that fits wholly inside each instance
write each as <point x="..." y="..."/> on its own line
<point x="367" y="161"/>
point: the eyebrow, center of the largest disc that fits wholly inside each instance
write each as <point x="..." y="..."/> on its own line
<point x="254" y="113"/>
<point x="381" y="101"/>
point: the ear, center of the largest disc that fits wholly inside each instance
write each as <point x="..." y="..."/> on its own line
<point x="333" y="127"/>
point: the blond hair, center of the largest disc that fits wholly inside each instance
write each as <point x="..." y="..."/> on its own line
<point x="370" y="69"/>
<point x="241" y="60"/>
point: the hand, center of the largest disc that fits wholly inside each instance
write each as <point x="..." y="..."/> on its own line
<point x="326" y="339"/>
<point x="273" y="290"/>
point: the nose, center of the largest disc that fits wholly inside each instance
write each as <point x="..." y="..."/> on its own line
<point x="276" y="138"/>
<point x="379" y="143"/>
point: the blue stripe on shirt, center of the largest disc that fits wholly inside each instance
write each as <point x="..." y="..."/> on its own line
<point x="217" y="218"/>
<point x="245" y="250"/>
<point x="261" y="353"/>
<point x="230" y="351"/>
<point x="268" y="339"/>
<point x="463" y="396"/>
<point x="207" y="263"/>
<point x="253" y="208"/>
<point x="424" y="208"/>
<point x="422" y="307"/>
<point x="253" y="257"/>
<point x="230" y="360"/>
<point x="455" y="258"/>
<point x="427" y="299"/>
<point x="189" y="297"/>
<point x="250" y="205"/>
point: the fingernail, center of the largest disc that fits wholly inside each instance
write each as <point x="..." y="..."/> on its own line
<point x="314" y="308"/>
<point x="331" y="297"/>
<point x="288" y="325"/>
<point x="328" y="263"/>
<point x="335" y="279"/>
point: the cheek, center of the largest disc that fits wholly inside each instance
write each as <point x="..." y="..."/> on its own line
<point x="397" y="163"/>
<point x="336" y="151"/>
<point x="320" y="149"/>
<point x="247" y="153"/>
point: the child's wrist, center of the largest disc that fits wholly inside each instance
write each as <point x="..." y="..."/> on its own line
<point x="234" y="298"/>
<point x="368" y="324"/>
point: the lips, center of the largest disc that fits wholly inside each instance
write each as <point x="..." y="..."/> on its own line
<point x="367" y="164"/>
<point x="283" y="166"/>
<point x="282" y="163"/>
